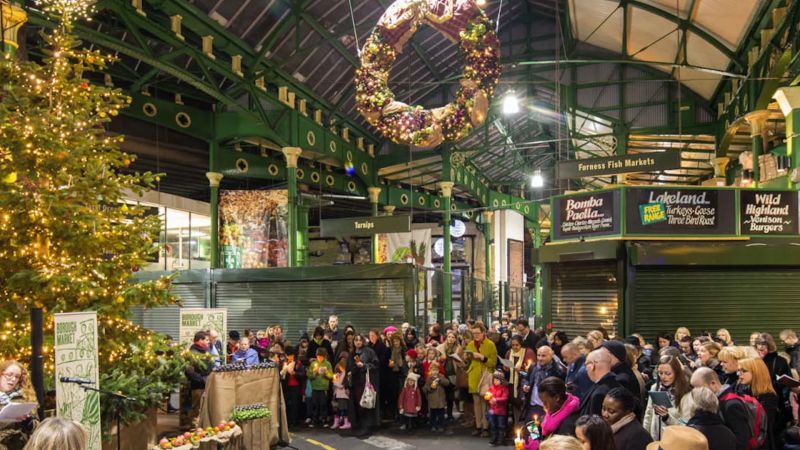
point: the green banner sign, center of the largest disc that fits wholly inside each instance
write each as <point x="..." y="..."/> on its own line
<point x="365" y="226"/>
<point x="653" y="213"/>
<point x="645" y="162"/>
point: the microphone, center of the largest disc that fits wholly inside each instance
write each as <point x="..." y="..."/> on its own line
<point x="75" y="380"/>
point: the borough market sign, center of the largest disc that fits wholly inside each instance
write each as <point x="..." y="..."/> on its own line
<point x="592" y="167"/>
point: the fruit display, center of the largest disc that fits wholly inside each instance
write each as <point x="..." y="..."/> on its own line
<point x="222" y="432"/>
<point x="250" y="412"/>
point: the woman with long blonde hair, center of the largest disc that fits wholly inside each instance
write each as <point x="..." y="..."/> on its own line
<point x="754" y="374"/>
<point x="15" y="385"/>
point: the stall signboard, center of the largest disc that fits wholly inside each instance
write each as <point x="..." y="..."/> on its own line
<point x="644" y="162"/>
<point x="365" y="226"/>
<point x="768" y="213"/>
<point x="193" y="320"/>
<point x="586" y="215"/>
<point x="76" y="357"/>
<point x="680" y="211"/>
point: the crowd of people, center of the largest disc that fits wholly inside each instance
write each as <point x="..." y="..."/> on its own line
<point x="600" y="392"/>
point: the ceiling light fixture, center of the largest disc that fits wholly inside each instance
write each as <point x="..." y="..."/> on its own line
<point x="537" y="179"/>
<point x="480" y="3"/>
<point x="510" y="103"/>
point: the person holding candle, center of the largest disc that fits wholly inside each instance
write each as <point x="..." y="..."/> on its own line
<point x="434" y="389"/>
<point x="341" y="394"/>
<point x="561" y="411"/>
<point x="320" y="373"/>
<point x="546" y="367"/>
<point x="482" y="357"/>
<point x="497" y="399"/>
<point x="521" y="357"/>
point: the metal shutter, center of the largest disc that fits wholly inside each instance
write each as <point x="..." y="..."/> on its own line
<point x="299" y="305"/>
<point x="584" y="296"/>
<point x="165" y="320"/>
<point x="742" y="300"/>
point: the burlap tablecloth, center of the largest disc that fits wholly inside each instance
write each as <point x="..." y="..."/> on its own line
<point x="225" y="390"/>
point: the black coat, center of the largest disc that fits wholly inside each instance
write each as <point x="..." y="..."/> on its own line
<point x="364" y="418"/>
<point x="777" y="366"/>
<point x="626" y="378"/>
<point x="592" y="402"/>
<point x="713" y="428"/>
<point x="198" y="373"/>
<point x="794" y="353"/>
<point x="734" y="414"/>
<point x="769" y="402"/>
<point x="632" y="436"/>
<point x="530" y="341"/>
<point x="326" y="344"/>
<point x="567" y="426"/>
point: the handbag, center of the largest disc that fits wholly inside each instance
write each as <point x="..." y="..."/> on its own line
<point x="462" y="379"/>
<point x="368" y="397"/>
<point x="485" y="382"/>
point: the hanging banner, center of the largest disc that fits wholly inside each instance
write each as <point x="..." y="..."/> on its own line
<point x="768" y="212"/>
<point x="364" y="226"/>
<point x="586" y="215"/>
<point x="645" y="162"/>
<point x="680" y="211"/>
<point x="193" y="320"/>
<point x="254" y="229"/>
<point x="76" y="357"/>
<point x="413" y="247"/>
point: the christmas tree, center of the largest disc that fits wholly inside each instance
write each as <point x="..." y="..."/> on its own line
<point x="68" y="241"/>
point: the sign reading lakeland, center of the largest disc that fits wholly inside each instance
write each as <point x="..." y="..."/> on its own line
<point x="768" y="212"/>
<point x="587" y="215"/>
<point x="660" y="211"/>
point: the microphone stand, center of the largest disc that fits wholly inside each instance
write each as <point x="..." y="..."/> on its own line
<point x="114" y="396"/>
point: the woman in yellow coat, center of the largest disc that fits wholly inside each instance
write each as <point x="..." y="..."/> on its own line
<point x="482" y="357"/>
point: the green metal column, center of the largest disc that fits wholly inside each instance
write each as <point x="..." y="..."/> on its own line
<point x="13" y="18"/>
<point x="537" y="243"/>
<point x="374" y="197"/>
<point x="488" y="297"/>
<point x="789" y="100"/>
<point x="447" y="288"/>
<point x="214" y="178"/>
<point x="292" y="153"/>
<point x="302" y="235"/>
<point x="757" y="119"/>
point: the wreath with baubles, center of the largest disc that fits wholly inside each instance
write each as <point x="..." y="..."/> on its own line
<point x="461" y="21"/>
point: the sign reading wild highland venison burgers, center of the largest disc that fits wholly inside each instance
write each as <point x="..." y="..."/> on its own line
<point x="586" y="215"/>
<point x="680" y="211"/>
<point x="768" y="212"/>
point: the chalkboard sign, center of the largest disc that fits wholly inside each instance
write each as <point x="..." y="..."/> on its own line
<point x="764" y="213"/>
<point x="680" y="211"/>
<point x="586" y="215"/>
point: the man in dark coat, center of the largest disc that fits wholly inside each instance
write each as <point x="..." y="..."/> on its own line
<point x="578" y="382"/>
<point x="622" y="371"/>
<point x="707" y="420"/>
<point x="598" y="368"/>
<point x="318" y="340"/>
<point x="528" y="337"/>
<point x="734" y="412"/>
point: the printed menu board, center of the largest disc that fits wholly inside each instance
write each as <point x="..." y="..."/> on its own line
<point x="764" y="213"/>
<point x="586" y="215"/>
<point x="680" y="211"/>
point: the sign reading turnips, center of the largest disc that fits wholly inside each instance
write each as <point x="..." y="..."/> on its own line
<point x="664" y="211"/>
<point x="768" y="212"/>
<point x="582" y="216"/>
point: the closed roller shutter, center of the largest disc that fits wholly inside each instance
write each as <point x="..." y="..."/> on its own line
<point x="299" y="305"/>
<point x="165" y="320"/>
<point x="584" y="296"/>
<point x="742" y="300"/>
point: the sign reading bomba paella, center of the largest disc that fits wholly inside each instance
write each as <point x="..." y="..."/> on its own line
<point x="768" y="212"/>
<point x="680" y="211"/>
<point x="586" y="215"/>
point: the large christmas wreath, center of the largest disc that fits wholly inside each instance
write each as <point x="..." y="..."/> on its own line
<point x="461" y="21"/>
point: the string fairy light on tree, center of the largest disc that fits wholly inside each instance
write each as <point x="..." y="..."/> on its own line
<point x="68" y="241"/>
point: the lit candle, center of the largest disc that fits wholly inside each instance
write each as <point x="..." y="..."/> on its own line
<point x="518" y="443"/>
<point x="529" y="364"/>
<point x="536" y="419"/>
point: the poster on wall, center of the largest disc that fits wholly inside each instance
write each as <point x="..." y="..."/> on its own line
<point x="253" y="231"/>
<point x="76" y="357"/>
<point x="586" y="215"/>
<point x="193" y="320"/>
<point x="413" y="247"/>
<point x="768" y="213"/>
<point x="671" y="211"/>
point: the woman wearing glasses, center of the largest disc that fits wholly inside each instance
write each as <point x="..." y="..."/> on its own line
<point x="754" y="373"/>
<point x="14" y="384"/>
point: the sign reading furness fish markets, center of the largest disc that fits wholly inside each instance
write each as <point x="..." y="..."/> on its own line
<point x="686" y="211"/>
<point x="586" y="215"/>
<point x="768" y="212"/>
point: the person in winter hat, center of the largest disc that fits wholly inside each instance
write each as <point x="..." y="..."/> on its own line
<point x="412" y="362"/>
<point x="410" y="402"/>
<point x="435" y="393"/>
<point x="497" y="399"/>
<point x="341" y="395"/>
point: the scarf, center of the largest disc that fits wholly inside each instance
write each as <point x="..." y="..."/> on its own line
<point x="552" y="421"/>
<point x="622" y="422"/>
<point x="520" y="355"/>
<point x="6" y="398"/>
<point x="201" y="345"/>
<point x="398" y="358"/>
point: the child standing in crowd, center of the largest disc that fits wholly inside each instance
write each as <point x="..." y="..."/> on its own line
<point x="431" y="356"/>
<point x="320" y="373"/>
<point x="435" y="393"/>
<point x="411" y="362"/>
<point x="292" y="382"/>
<point x="341" y="395"/>
<point x="410" y="402"/>
<point x="497" y="397"/>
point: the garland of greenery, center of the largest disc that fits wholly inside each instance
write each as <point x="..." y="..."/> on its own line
<point x="478" y="46"/>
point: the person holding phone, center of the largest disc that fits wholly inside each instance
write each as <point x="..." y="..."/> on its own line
<point x="668" y="402"/>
